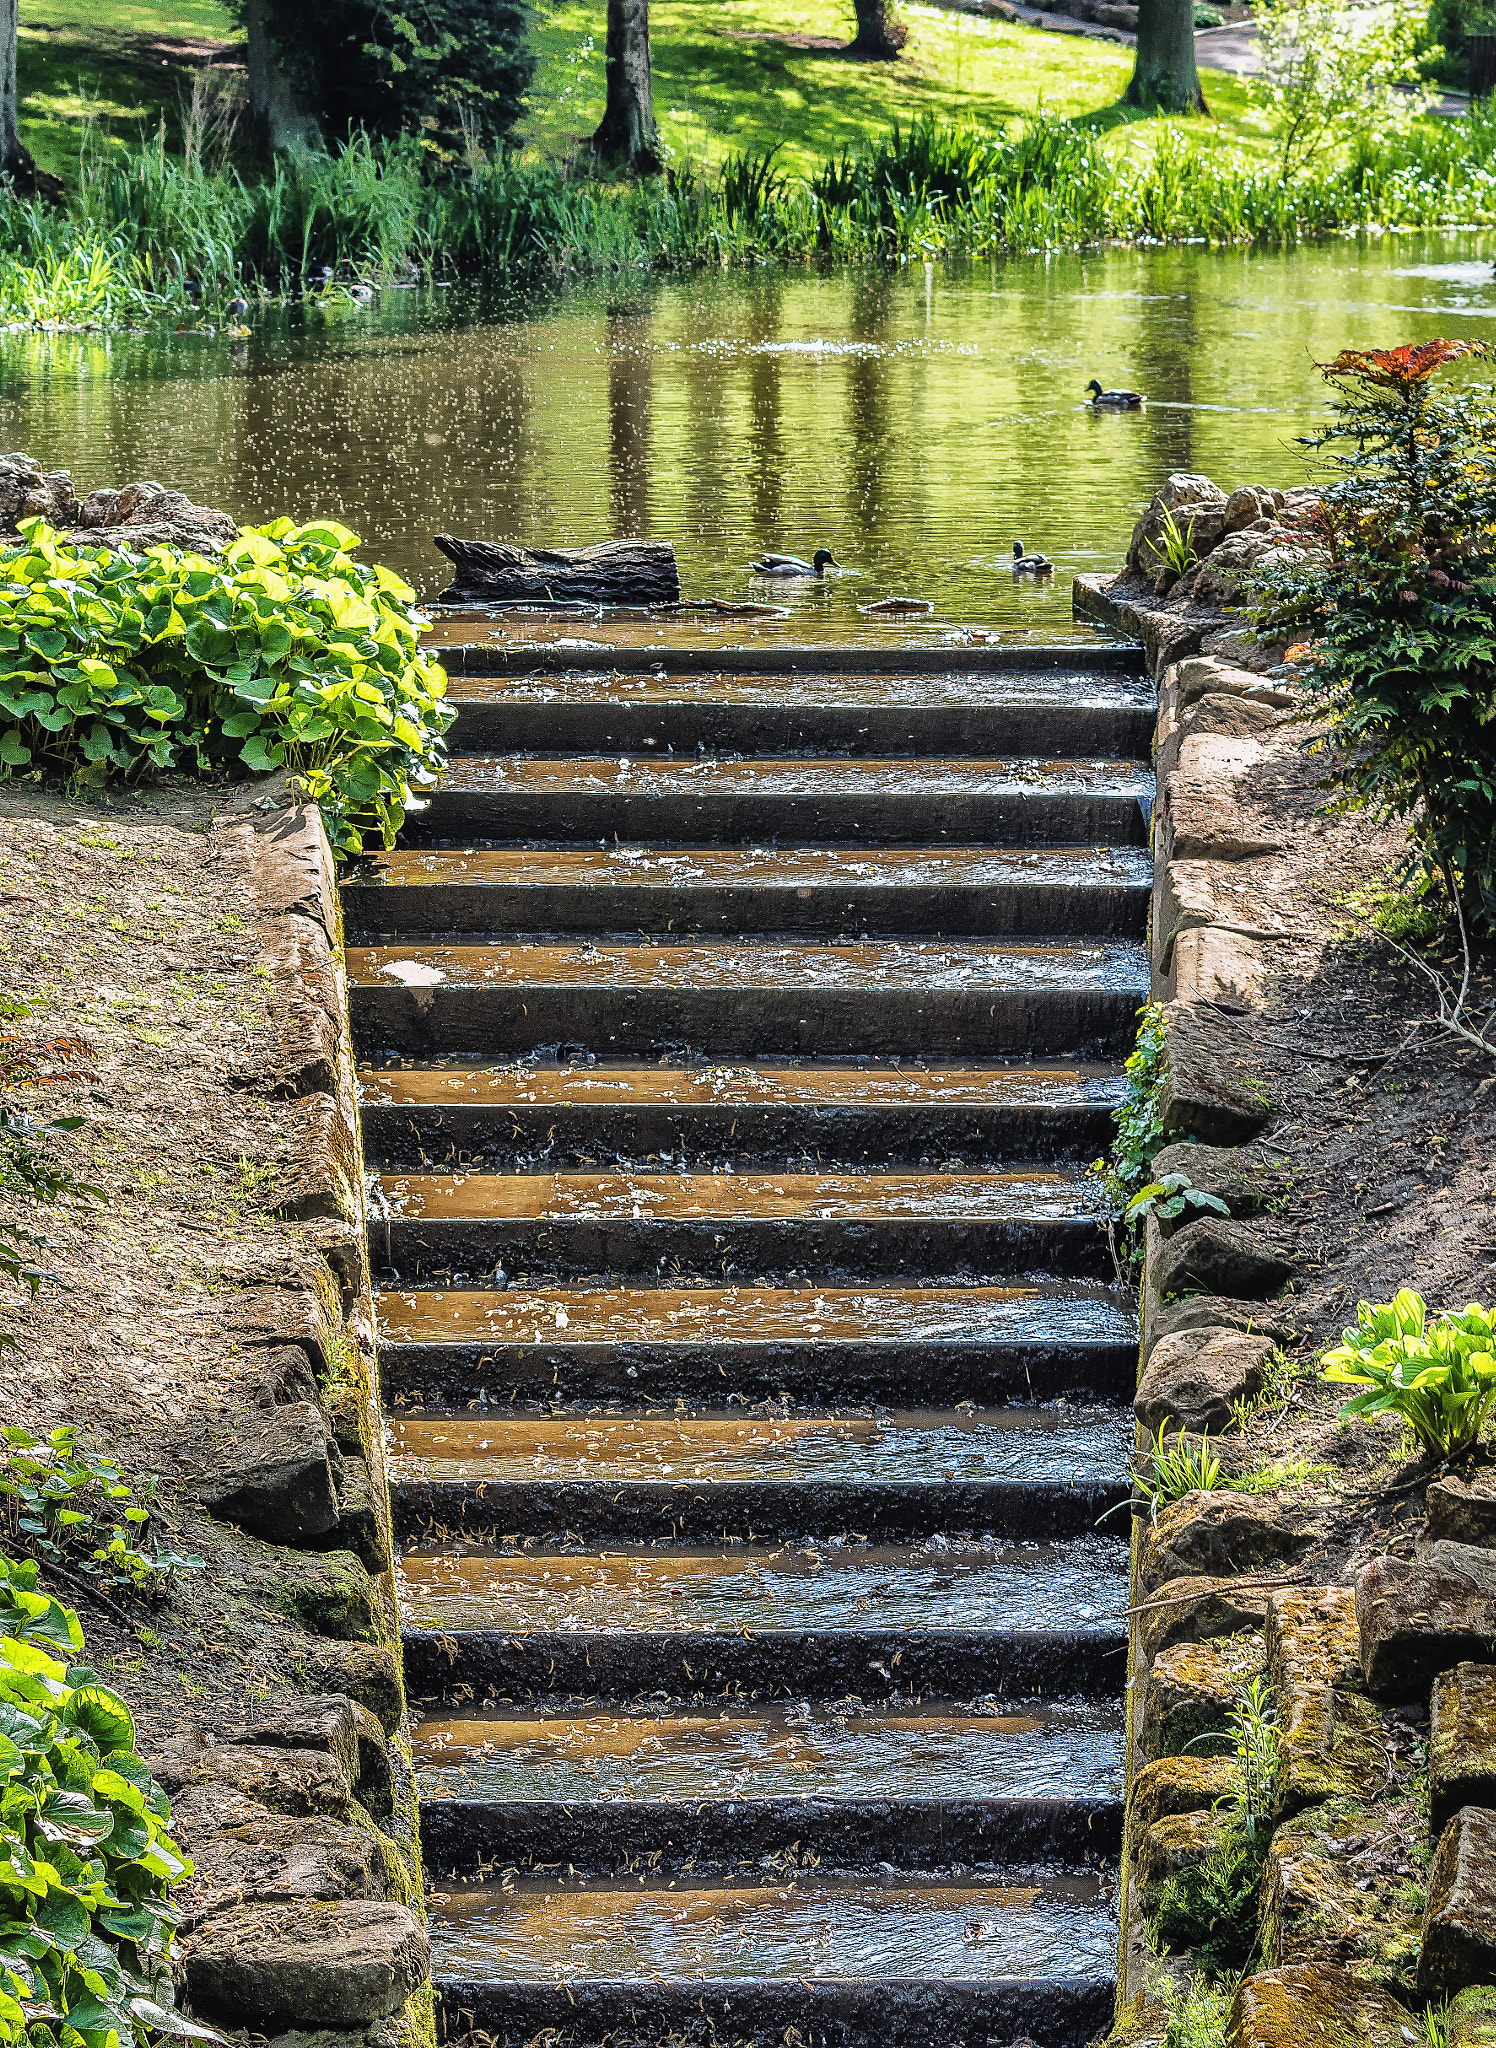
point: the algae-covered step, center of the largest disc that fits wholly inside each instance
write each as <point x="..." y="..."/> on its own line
<point x="699" y="1474"/>
<point x="433" y="1112"/>
<point x="850" y="1957"/>
<point x="1030" y="1340"/>
<point x="854" y="800"/>
<point x="1048" y="1218"/>
<point x="626" y="888"/>
<point x="833" y="1616"/>
<point x="1091" y="700"/>
<point x="745" y="996"/>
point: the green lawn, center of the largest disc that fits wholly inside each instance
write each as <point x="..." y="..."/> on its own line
<point x="728" y="76"/>
<point x="122" y="64"/>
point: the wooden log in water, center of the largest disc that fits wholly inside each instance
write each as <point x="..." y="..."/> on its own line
<point x="615" y="572"/>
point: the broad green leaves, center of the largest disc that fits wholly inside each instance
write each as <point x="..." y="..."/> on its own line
<point x="86" y="1864"/>
<point x="1440" y="1379"/>
<point x="286" y="653"/>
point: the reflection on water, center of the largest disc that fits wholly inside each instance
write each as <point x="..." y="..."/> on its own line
<point x="915" y="420"/>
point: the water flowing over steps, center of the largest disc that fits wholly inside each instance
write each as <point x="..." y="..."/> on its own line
<point x="735" y="1044"/>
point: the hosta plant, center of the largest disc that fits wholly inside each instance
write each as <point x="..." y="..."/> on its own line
<point x="284" y="652"/>
<point x="86" y="1864"/>
<point x="1439" y="1376"/>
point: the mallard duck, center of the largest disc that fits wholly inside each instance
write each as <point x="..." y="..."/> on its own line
<point x="1114" y="401"/>
<point x="791" y="565"/>
<point x="1025" y="564"/>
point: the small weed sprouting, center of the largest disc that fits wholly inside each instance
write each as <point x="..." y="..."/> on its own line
<point x="1172" y="1469"/>
<point x="1178" y="545"/>
<point x="253" y="1180"/>
<point x="1255" y="1742"/>
<point x="1282" y="1473"/>
<point x="1212" y="1907"/>
<point x="1196" y="2015"/>
<point x="74" y="1511"/>
<point x="1440" y="1377"/>
<point x="1170" y="1197"/>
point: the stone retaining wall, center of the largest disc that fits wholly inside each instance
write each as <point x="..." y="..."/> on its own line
<point x="1217" y="1597"/>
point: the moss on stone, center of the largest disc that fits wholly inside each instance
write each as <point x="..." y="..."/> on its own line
<point x="1330" y="1897"/>
<point x="1192" y="1689"/>
<point x="1472" y="2017"/>
<point x="1177" y="1784"/>
<point x="328" y="1592"/>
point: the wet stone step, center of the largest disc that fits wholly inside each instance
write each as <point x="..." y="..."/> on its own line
<point x="848" y="801"/>
<point x="993" y="714"/>
<point x="840" y="1957"/>
<point x="806" y="889"/>
<point x="713" y="1222"/>
<point x="942" y="1345"/>
<point x="722" y="1786"/>
<point x="694" y="1476"/>
<point x="832" y="1618"/>
<point x="1055" y="1750"/>
<point x="425" y="1115"/>
<point x="748" y="996"/>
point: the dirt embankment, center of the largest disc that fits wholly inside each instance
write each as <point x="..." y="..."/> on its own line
<point x="209" y="1322"/>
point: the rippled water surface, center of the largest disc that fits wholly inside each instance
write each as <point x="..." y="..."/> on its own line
<point x="916" y="420"/>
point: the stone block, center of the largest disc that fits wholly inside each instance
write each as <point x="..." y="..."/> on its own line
<point x="1200" y="816"/>
<point x="281" y="1780"/>
<point x="1177" y="1784"/>
<point x="1212" y="1312"/>
<point x="1207" y="1091"/>
<point x="259" y="1317"/>
<point x="310" y="1965"/>
<point x="1421" y="1616"/>
<point x="1459" y="1921"/>
<point x="1462" y="1743"/>
<point x="365" y="1671"/>
<point x="1472" y="2018"/>
<point x="1327" y="1896"/>
<point x="1177" y="1842"/>
<point x="1211" y="1534"/>
<point x="1192" y="1379"/>
<point x="376" y="1777"/>
<point x="278" y="1859"/>
<point x="1315" y="2005"/>
<point x="1214" y="964"/>
<point x="1218" y="1256"/>
<point x="1245" y="1177"/>
<point x="325" y="1722"/>
<point x="1330" y="1742"/>
<point x="1192" y="1688"/>
<point x="360" y="1525"/>
<point x="1193" y="1610"/>
<point x="329" y="1592"/>
<point x="1463" y="1510"/>
<point x="275" y="1479"/>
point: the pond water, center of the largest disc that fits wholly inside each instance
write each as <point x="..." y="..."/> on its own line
<point x="916" y="420"/>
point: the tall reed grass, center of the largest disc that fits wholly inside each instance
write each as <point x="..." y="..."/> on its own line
<point x="163" y="234"/>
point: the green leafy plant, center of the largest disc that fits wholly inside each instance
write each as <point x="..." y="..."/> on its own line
<point x="75" y="1511"/>
<point x="1256" y="1746"/>
<point x="1172" y="1468"/>
<point x="1170" y="1197"/>
<point x="1440" y="1377"/>
<point x="86" y="1864"/>
<point x="1400" y="601"/>
<point x="287" y="652"/>
<point x="1194" y="2013"/>
<point x="1326" y="85"/>
<point x="1212" y="1907"/>
<point x="1175" y="544"/>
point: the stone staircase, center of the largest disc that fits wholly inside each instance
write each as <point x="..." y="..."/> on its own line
<point x="734" y="1043"/>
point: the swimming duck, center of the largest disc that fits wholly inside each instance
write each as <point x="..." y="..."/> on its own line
<point x="1025" y="564"/>
<point x="1114" y="401"/>
<point x="791" y="565"/>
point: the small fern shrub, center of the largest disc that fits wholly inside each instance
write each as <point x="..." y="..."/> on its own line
<point x="86" y="1865"/>
<point x="286" y="652"/>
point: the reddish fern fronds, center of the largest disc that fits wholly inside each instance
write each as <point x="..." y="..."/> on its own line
<point x="1400" y="369"/>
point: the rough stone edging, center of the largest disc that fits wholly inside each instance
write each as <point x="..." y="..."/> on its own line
<point x="358" y="1962"/>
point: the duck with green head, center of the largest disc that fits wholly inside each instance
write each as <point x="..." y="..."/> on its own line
<point x="792" y="565"/>
<point x="1114" y="401"/>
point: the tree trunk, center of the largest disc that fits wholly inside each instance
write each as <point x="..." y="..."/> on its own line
<point x="15" y="163"/>
<point x="614" y="572"/>
<point x="628" y="126"/>
<point x="1165" y="76"/>
<point x="880" y="33"/>
<point x="279" y="116"/>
